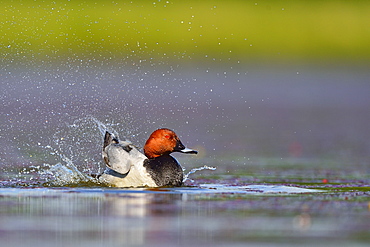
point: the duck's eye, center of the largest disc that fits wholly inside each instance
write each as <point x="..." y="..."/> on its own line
<point x="167" y="136"/>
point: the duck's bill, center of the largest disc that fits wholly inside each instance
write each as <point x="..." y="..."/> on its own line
<point x="188" y="151"/>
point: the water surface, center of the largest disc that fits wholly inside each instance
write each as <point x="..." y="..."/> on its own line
<point x="290" y="146"/>
<point x="207" y="215"/>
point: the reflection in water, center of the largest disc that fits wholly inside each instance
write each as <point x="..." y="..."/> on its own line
<point x="116" y="217"/>
<point x="124" y="218"/>
<point x="303" y="220"/>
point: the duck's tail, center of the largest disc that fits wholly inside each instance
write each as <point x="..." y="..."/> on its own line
<point x="109" y="138"/>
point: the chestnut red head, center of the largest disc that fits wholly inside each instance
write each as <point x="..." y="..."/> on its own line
<point x="163" y="142"/>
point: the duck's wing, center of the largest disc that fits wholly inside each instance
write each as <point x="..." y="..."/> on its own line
<point x="116" y="154"/>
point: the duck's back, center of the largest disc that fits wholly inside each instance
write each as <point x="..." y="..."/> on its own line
<point x="165" y="171"/>
<point x="124" y="165"/>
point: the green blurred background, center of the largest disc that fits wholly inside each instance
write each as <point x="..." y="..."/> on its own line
<point x="310" y="31"/>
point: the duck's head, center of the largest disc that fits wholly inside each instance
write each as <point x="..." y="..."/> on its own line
<point x="163" y="142"/>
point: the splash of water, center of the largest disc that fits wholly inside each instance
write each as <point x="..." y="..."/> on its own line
<point x="67" y="173"/>
<point x="81" y="142"/>
<point x="205" y="167"/>
<point x="77" y="151"/>
<point x="77" y="147"/>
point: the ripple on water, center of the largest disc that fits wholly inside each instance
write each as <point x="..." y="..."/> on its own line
<point x="201" y="189"/>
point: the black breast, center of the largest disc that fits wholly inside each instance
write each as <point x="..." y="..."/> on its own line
<point x="165" y="170"/>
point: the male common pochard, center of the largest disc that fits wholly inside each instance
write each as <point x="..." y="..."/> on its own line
<point x="127" y="167"/>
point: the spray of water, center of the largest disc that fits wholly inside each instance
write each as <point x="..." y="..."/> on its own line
<point x="67" y="173"/>
<point x="76" y="149"/>
<point x="205" y="167"/>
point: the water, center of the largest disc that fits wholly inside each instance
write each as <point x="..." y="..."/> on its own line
<point x="186" y="177"/>
<point x="180" y="216"/>
<point x="57" y="204"/>
<point x="290" y="151"/>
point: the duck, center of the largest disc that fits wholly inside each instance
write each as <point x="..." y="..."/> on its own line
<point x="126" y="166"/>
